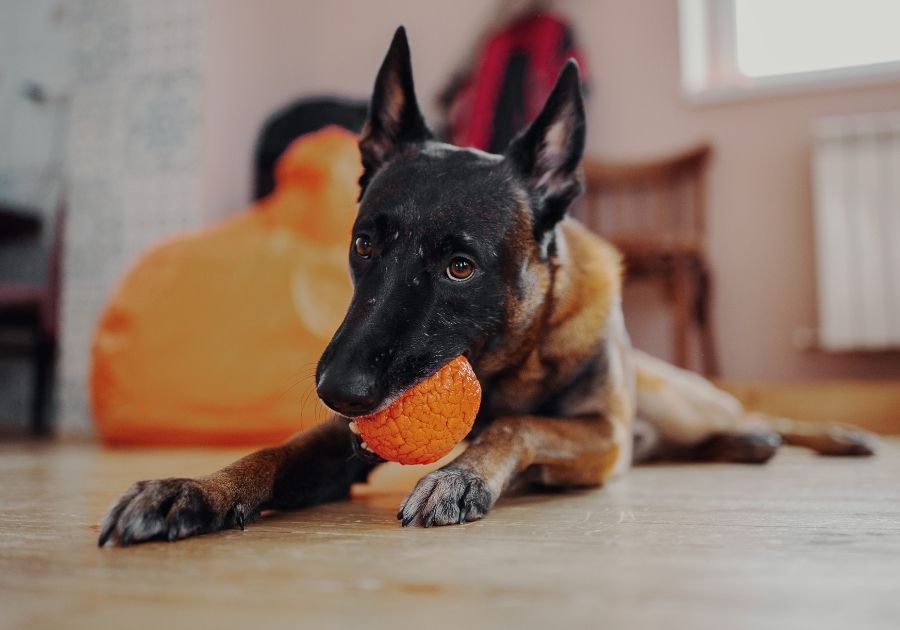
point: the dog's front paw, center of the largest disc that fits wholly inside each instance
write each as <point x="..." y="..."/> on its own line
<point x="446" y="497"/>
<point x="168" y="509"/>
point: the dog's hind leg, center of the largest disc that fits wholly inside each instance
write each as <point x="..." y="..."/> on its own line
<point x="824" y="438"/>
<point x="693" y="419"/>
<point x="681" y="415"/>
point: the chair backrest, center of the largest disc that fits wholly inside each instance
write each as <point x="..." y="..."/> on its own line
<point x="657" y="206"/>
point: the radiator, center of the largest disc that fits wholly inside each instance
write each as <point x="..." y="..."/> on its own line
<point x="856" y="198"/>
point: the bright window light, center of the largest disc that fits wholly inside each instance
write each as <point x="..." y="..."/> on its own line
<point x="781" y="37"/>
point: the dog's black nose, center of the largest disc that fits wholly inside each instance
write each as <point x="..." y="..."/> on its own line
<point x="348" y="394"/>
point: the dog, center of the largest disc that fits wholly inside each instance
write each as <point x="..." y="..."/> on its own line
<point x="459" y="252"/>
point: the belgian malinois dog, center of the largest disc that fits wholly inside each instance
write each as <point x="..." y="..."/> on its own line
<point x="456" y="251"/>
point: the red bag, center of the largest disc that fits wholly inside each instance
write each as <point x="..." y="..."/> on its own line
<point x="509" y="82"/>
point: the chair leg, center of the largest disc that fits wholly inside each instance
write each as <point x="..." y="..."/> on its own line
<point x="708" y="352"/>
<point x="682" y="294"/>
<point x="44" y="362"/>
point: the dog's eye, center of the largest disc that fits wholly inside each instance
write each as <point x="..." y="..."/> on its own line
<point x="363" y="246"/>
<point x="460" y="269"/>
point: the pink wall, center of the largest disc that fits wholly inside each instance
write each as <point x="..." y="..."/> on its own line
<point x="264" y="53"/>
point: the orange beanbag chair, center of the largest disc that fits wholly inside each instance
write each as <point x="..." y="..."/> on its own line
<point x="213" y="337"/>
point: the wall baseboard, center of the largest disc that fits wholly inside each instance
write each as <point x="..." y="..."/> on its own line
<point x="873" y="405"/>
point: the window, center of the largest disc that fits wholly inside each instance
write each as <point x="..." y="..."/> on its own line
<point x="732" y="48"/>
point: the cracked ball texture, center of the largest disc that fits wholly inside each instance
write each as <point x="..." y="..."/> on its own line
<point x="427" y="420"/>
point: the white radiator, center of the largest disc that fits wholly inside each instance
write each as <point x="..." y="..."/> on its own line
<point x="856" y="196"/>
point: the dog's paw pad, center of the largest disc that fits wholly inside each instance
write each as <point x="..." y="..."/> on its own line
<point x="447" y="496"/>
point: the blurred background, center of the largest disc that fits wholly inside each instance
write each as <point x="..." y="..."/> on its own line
<point x="745" y="154"/>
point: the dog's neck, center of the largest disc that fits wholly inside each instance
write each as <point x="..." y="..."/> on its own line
<point x="558" y="323"/>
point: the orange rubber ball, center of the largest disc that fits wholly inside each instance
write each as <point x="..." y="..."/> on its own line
<point x="428" y="419"/>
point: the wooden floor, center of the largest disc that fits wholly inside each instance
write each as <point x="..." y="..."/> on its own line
<point x="804" y="542"/>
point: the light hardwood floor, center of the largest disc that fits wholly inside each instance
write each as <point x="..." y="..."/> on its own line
<point x="803" y="542"/>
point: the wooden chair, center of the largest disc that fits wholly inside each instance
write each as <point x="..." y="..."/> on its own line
<point x="654" y="213"/>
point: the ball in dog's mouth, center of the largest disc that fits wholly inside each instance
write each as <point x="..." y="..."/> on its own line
<point x="427" y="420"/>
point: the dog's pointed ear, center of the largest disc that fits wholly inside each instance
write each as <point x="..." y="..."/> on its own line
<point x="394" y="118"/>
<point x="547" y="153"/>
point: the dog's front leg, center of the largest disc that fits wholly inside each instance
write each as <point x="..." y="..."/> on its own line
<point x="312" y="467"/>
<point x="553" y="451"/>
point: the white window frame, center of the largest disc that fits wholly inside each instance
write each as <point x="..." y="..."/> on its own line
<point x="709" y="70"/>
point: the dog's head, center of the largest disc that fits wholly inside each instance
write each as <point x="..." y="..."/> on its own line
<point x="451" y="248"/>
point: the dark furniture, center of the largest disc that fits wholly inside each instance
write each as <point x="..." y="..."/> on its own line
<point x="34" y="309"/>
<point x="17" y="222"/>
<point x="291" y="122"/>
<point x="654" y="212"/>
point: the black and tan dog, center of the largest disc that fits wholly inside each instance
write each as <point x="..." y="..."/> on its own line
<point x="456" y="251"/>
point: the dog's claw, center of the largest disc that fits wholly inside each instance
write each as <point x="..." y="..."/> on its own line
<point x="239" y="516"/>
<point x="449" y="496"/>
<point x="164" y="509"/>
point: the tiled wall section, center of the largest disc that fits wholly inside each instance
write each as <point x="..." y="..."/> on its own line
<point x="35" y="42"/>
<point x="134" y="155"/>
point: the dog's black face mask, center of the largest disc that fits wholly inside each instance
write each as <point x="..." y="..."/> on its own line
<point x="442" y="238"/>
